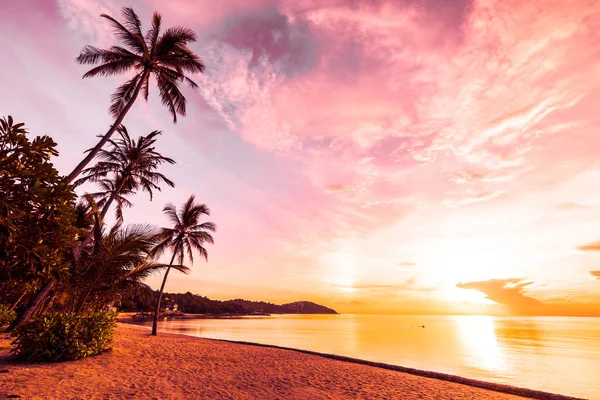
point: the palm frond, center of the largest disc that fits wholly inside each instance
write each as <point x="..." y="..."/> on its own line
<point x="174" y="38"/>
<point x="119" y="261"/>
<point x="111" y="68"/>
<point x="124" y="53"/>
<point x="123" y="95"/>
<point x="134" y="42"/>
<point x="200" y="249"/>
<point x="171" y="212"/>
<point x="132" y="21"/>
<point x="164" y="242"/>
<point x="183" y="59"/>
<point x="170" y="95"/>
<point x="153" y="33"/>
<point x="90" y="55"/>
<point x="200" y="236"/>
<point x="146" y="87"/>
<point x="188" y="248"/>
<point x="206" y="226"/>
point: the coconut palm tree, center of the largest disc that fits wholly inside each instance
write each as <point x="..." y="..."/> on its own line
<point x="126" y="167"/>
<point x="187" y="235"/>
<point x="165" y="56"/>
<point x="122" y="170"/>
<point x="119" y="260"/>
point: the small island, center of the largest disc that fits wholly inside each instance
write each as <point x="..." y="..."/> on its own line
<point x="140" y="305"/>
<point x="297" y="307"/>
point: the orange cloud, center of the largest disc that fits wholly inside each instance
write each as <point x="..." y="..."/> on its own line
<point x="398" y="126"/>
<point x="509" y="292"/>
<point x="594" y="246"/>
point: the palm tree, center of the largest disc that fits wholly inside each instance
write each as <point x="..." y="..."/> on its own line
<point x="118" y="262"/>
<point x="186" y="236"/>
<point x="125" y="168"/>
<point x="166" y="56"/>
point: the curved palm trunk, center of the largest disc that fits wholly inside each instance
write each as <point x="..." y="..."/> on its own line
<point x="160" y="293"/>
<point x="79" y="249"/>
<point x="77" y="252"/>
<point x="108" y="134"/>
<point x="33" y="306"/>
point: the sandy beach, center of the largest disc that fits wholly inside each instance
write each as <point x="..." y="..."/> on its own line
<point x="180" y="367"/>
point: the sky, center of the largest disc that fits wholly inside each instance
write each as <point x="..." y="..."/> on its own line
<point x="405" y="156"/>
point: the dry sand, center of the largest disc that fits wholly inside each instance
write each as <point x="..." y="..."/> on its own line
<point x="180" y="367"/>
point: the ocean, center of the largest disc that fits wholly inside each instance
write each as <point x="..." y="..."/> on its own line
<point x="554" y="354"/>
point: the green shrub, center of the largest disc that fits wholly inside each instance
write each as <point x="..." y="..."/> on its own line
<point x="6" y="315"/>
<point x="58" y="337"/>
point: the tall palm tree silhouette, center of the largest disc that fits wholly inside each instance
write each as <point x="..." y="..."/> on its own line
<point x="123" y="169"/>
<point x="186" y="236"/>
<point x="165" y="56"/>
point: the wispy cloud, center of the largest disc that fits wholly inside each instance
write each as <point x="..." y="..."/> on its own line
<point x="375" y="131"/>
<point x="509" y="292"/>
<point x="593" y="246"/>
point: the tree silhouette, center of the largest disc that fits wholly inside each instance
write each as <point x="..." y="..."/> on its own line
<point x="37" y="215"/>
<point x="125" y="168"/>
<point x="165" y="56"/>
<point x="186" y="236"/>
<point x="118" y="262"/>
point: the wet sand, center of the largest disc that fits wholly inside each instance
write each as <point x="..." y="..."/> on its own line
<point x="180" y="367"/>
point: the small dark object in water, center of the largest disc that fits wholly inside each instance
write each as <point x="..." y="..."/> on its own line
<point x="4" y="371"/>
<point x="13" y="396"/>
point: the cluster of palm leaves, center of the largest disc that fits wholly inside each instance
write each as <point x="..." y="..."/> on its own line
<point x="108" y="262"/>
<point x="120" y="260"/>
<point x="165" y="56"/>
<point x="123" y="169"/>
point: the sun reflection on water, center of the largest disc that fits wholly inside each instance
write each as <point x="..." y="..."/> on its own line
<point x="479" y="340"/>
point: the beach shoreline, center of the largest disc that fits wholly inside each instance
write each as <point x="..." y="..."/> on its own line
<point x="181" y="366"/>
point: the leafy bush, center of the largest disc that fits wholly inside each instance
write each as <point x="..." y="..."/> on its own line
<point x="6" y="315"/>
<point x="59" y="337"/>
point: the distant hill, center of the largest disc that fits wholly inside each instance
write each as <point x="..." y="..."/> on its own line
<point x="307" y="307"/>
<point x="299" y="307"/>
<point x="145" y="300"/>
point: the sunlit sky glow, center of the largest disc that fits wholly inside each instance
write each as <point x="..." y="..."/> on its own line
<point x="375" y="156"/>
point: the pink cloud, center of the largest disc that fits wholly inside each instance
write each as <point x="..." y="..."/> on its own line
<point x="322" y="122"/>
<point x="481" y="96"/>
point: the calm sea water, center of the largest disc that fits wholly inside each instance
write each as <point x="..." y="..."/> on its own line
<point x="555" y="354"/>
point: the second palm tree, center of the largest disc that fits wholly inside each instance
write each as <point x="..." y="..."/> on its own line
<point x="187" y="235"/>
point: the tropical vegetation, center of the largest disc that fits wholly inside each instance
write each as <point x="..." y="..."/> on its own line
<point x="186" y="236"/>
<point x="37" y="213"/>
<point x="63" y="268"/>
<point x="7" y="315"/>
<point x="64" y="336"/>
